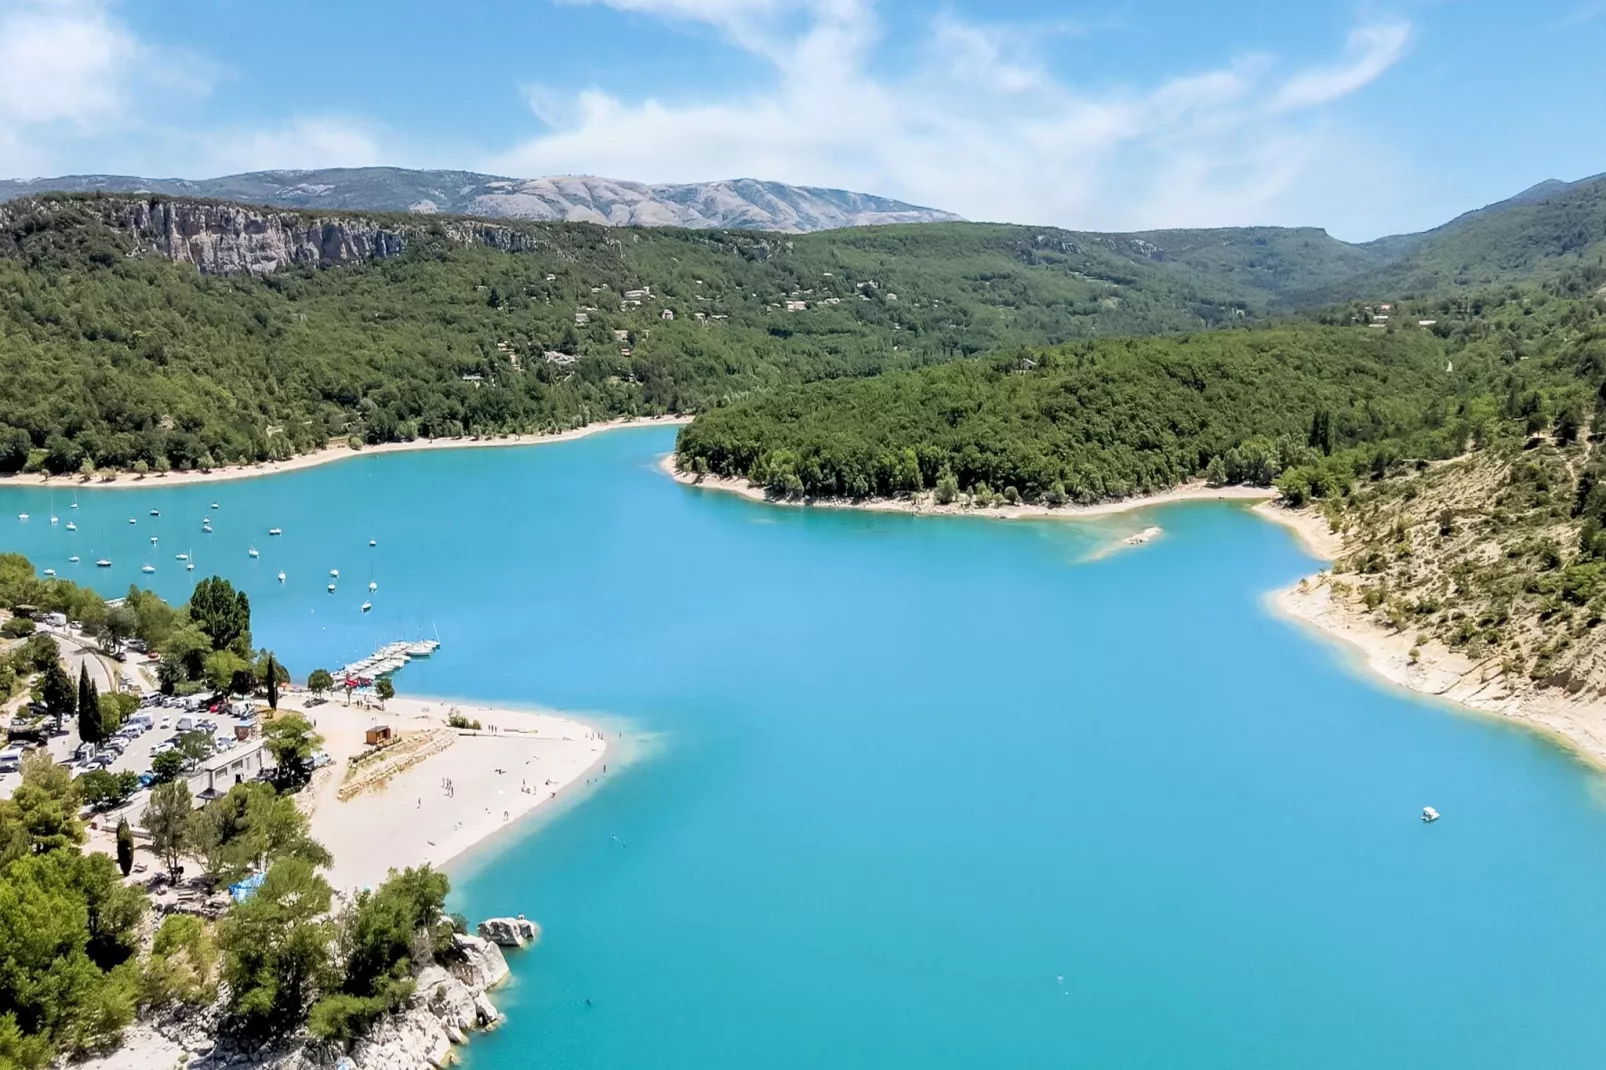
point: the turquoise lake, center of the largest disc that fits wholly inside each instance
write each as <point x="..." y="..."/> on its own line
<point x="926" y="792"/>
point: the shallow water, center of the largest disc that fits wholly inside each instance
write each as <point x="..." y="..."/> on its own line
<point x="928" y="792"/>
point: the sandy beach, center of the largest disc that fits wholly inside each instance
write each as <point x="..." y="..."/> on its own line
<point x="926" y="506"/>
<point x="397" y="810"/>
<point x="327" y="455"/>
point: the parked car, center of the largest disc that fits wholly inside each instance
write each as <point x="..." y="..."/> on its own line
<point x="165" y="722"/>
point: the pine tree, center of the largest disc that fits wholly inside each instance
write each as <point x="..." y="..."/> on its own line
<point x="57" y="691"/>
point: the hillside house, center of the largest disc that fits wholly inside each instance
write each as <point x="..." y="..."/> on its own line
<point x="667" y="314"/>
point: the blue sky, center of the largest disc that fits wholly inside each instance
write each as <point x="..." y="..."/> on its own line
<point x="1365" y="118"/>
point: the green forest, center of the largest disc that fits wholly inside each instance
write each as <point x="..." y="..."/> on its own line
<point x="1312" y="405"/>
<point x="114" y="357"/>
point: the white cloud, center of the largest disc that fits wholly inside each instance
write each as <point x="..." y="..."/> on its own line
<point x="980" y="126"/>
<point x="1371" y="51"/>
<point x="302" y="143"/>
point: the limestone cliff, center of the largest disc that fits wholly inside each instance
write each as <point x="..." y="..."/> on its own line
<point x="223" y="239"/>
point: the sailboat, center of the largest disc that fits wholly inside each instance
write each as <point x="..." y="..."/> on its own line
<point x="366" y="606"/>
<point x="147" y="569"/>
<point x="22" y="516"/>
<point x="181" y="557"/>
<point x="73" y="559"/>
<point x="331" y="588"/>
<point x="103" y="563"/>
<point x="153" y="540"/>
<point x="372" y="586"/>
<point x="335" y="572"/>
<point x="275" y="531"/>
<point x="74" y="502"/>
<point x="253" y="552"/>
<point x="373" y="542"/>
<point x="281" y="575"/>
<point x="71" y="526"/>
<point x="189" y="563"/>
<point x="156" y="512"/>
<point x="133" y="520"/>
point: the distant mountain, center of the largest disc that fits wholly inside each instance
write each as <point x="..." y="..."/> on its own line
<point x="739" y="203"/>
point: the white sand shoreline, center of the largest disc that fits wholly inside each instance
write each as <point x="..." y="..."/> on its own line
<point x="327" y="455"/>
<point x="522" y="761"/>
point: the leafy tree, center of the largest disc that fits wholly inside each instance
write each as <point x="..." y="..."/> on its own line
<point x="57" y="690"/>
<point x="167" y="821"/>
<point x="120" y="625"/>
<point x="223" y="613"/>
<point x="15" y="448"/>
<point x="102" y="790"/>
<point x="385" y="690"/>
<point x="168" y="766"/>
<point x="195" y="746"/>
<point x="386" y="935"/>
<point x="276" y="950"/>
<point x="320" y="681"/>
<point x="43" y="812"/>
<point x="292" y="742"/>
<point x="125" y="847"/>
<point x="249" y="828"/>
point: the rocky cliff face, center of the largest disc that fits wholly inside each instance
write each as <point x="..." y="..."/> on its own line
<point x="223" y="239"/>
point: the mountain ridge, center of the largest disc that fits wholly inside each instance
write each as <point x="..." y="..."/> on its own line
<point x="744" y="203"/>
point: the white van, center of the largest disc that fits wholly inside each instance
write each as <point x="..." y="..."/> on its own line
<point x="186" y="724"/>
<point x="10" y="759"/>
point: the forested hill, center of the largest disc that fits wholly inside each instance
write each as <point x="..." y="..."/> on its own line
<point x="115" y="350"/>
<point x="1311" y="407"/>
<point x="156" y="332"/>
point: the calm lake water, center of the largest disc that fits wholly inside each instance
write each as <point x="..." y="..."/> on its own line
<point x="927" y="792"/>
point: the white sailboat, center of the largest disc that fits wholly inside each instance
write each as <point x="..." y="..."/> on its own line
<point x="103" y="563"/>
<point x="71" y="526"/>
<point x="331" y="588"/>
<point x="253" y="552"/>
<point x="366" y="606"/>
<point x="22" y="516"/>
<point x="275" y="531"/>
<point x="281" y="575"/>
<point x="372" y="586"/>
<point x="73" y="559"/>
<point x="147" y="569"/>
<point x="335" y="572"/>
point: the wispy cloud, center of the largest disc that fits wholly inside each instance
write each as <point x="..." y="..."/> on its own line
<point x="1372" y="50"/>
<point x="980" y="126"/>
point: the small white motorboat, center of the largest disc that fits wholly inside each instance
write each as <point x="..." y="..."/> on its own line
<point x="366" y="606"/>
<point x="372" y="586"/>
<point x="133" y="520"/>
<point x="156" y="512"/>
<point x="214" y="505"/>
<point x="71" y="526"/>
<point x="253" y="552"/>
<point x="54" y="518"/>
<point x="103" y="563"/>
<point x="335" y="572"/>
<point x="275" y="531"/>
<point x="50" y="573"/>
<point x="190" y="567"/>
<point x="373" y="542"/>
<point x="331" y="588"/>
<point x="153" y="540"/>
<point x="1429" y="815"/>
<point x="181" y="557"/>
<point x="22" y="516"/>
<point x="73" y="559"/>
<point x="281" y="575"/>
<point x="148" y="569"/>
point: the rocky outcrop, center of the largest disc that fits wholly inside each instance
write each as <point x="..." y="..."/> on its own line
<point x="225" y="239"/>
<point x="510" y="932"/>
<point x="449" y="1002"/>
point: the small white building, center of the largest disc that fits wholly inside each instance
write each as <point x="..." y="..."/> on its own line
<point x="219" y="773"/>
<point x="667" y="314"/>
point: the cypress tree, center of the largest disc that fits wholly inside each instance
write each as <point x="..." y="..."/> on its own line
<point x="273" y="683"/>
<point x="83" y="685"/>
<point x="125" y="847"/>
